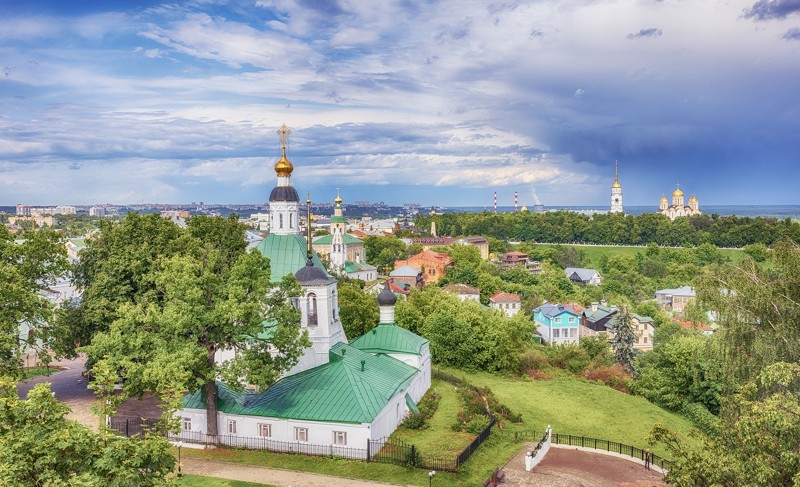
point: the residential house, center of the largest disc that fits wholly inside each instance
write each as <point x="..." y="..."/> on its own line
<point x="643" y="328"/>
<point x="557" y="324"/>
<point x="583" y="276"/>
<point x="674" y="299"/>
<point x="601" y="319"/>
<point x="698" y="326"/>
<point x="508" y="303"/>
<point x="407" y="277"/>
<point x="400" y="289"/>
<point x="427" y="242"/>
<point x="432" y="264"/>
<point x="512" y="259"/>
<point x="465" y="292"/>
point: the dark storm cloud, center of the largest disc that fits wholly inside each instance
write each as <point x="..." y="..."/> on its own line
<point x="651" y="32"/>
<point x="772" y="9"/>
<point x="792" y="34"/>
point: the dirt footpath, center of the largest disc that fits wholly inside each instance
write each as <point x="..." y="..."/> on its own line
<point x="563" y="467"/>
<point x="271" y="476"/>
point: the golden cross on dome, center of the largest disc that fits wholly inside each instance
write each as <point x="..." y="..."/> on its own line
<point x="284" y="132"/>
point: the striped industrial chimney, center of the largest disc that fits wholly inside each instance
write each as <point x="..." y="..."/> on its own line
<point x="495" y="201"/>
<point x="515" y="201"/>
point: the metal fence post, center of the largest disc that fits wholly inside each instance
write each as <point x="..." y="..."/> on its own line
<point x="367" y="449"/>
<point x="413" y="456"/>
<point x="126" y="427"/>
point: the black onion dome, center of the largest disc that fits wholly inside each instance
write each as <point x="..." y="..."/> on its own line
<point x="387" y="297"/>
<point x="284" y="193"/>
<point x="311" y="274"/>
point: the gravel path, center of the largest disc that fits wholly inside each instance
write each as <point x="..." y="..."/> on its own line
<point x="271" y="476"/>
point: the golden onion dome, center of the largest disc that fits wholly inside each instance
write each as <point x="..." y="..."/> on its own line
<point x="616" y="184"/>
<point x="284" y="167"/>
<point x="677" y="192"/>
<point x="338" y="200"/>
<point x="524" y="208"/>
<point x="693" y="199"/>
<point x="663" y="199"/>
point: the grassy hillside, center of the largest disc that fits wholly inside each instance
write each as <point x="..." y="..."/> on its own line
<point x="579" y="407"/>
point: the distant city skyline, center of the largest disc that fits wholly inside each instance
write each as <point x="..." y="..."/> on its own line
<point x="440" y="103"/>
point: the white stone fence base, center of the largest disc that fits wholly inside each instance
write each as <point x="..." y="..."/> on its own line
<point x="534" y="457"/>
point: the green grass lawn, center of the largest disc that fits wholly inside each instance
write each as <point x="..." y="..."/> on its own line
<point x="198" y="481"/>
<point x="579" y="407"/>
<point x="595" y="252"/>
<point x="438" y="439"/>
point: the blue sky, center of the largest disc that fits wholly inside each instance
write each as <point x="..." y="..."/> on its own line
<point x="433" y="102"/>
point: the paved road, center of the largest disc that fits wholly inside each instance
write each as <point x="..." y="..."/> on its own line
<point x="69" y="386"/>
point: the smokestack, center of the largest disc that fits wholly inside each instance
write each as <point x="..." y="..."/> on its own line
<point x="495" y="201"/>
<point x="515" y="201"/>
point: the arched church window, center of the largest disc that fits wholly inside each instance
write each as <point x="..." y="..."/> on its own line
<point x="291" y="221"/>
<point x="280" y="220"/>
<point x="311" y="304"/>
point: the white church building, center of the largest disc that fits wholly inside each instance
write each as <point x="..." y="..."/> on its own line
<point x="340" y="394"/>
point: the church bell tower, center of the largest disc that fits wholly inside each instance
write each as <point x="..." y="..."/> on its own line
<point x="616" y="192"/>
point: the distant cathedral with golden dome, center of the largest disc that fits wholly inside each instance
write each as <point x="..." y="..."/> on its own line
<point x="677" y="208"/>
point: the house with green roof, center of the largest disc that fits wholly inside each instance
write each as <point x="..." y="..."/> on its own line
<point x="361" y="394"/>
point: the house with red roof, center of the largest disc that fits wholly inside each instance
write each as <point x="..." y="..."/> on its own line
<point x="508" y="303"/>
<point x="431" y="264"/>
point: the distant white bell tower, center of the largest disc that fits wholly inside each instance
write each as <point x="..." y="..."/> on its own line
<point x="616" y="192"/>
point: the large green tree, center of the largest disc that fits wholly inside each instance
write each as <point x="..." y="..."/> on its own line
<point x="758" y="311"/>
<point x="40" y="447"/>
<point x="205" y="294"/>
<point x="25" y="269"/>
<point x="756" y="441"/>
<point x="357" y="310"/>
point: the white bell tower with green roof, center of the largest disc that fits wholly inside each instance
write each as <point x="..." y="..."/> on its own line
<point x="338" y="254"/>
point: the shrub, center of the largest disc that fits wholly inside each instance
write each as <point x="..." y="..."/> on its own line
<point x="701" y="417"/>
<point x="569" y="357"/>
<point x="429" y="403"/>
<point x="614" y="376"/>
<point x="477" y="424"/>
<point x="415" y="421"/>
<point x="532" y="361"/>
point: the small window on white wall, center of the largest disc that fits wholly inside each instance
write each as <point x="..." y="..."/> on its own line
<point x="340" y="438"/>
<point x="265" y="430"/>
<point x="231" y="427"/>
<point x="301" y="434"/>
<point x="555" y="333"/>
<point x="187" y="424"/>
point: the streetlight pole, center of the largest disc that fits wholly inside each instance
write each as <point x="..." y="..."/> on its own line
<point x="430" y="477"/>
<point x="180" y="444"/>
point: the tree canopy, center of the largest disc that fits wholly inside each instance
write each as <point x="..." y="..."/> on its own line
<point x="25" y="269"/>
<point x="200" y="293"/>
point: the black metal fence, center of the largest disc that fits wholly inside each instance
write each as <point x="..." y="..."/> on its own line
<point x="385" y="450"/>
<point x="484" y="434"/>
<point x="610" y="446"/>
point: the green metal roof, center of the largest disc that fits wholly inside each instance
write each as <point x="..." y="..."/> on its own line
<point x="351" y="266"/>
<point x="347" y="238"/>
<point x="287" y="254"/>
<point x="390" y="338"/>
<point x="338" y="219"/>
<point x="339" y="391"/>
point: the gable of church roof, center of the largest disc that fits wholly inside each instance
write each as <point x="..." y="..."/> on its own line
<point x="390" y="338"/>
